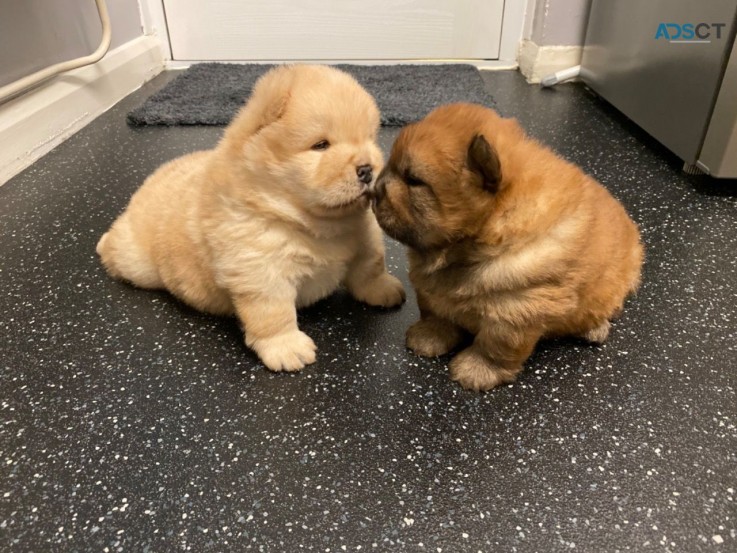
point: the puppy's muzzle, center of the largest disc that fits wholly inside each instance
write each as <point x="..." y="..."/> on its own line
<point x="378" y="190"/>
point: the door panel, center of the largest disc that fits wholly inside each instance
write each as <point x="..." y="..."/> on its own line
<point x="334" y="29"/>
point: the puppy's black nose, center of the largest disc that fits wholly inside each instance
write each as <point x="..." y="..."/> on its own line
<point x="365" y="173"/>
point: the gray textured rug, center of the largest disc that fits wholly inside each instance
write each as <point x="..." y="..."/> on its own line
<point x="211" y="93"/>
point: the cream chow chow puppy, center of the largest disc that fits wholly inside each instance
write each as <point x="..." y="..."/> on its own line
<point x="274" y="218"/>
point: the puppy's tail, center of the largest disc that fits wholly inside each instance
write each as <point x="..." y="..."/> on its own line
<point x="124" y="259"/>
<point x="638" y="258"/>
<point x="101" y="244"/>
<point x="106" y="256"/>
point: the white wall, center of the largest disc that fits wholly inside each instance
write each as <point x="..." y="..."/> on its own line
<point x="557" y="22"/>
<point x="37" y="33"/>
<point x="553" y="36"/>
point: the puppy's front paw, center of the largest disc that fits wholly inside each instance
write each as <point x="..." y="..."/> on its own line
<point x="475" y="372"/>
<point x="432" y="337"/>
<point x="289" y="352"/>
<point x="383" y="291"/>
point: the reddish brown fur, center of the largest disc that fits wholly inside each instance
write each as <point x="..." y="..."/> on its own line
<point x="543" y="250"/>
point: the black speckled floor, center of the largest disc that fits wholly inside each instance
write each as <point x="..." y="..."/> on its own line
<point x="131" y="423"/>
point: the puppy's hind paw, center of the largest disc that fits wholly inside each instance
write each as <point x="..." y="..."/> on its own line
<point x="288" y="352"/>
<point x="599" y="334"/>
<point x="383" y="291"/>
<point x="475" y="372"/>
<point x="432" y="337"/>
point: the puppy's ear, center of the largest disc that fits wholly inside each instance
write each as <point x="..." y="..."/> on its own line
<point x="272" y="112"/>
<point x="266" y="105"/>
<point x="483" y="160"/>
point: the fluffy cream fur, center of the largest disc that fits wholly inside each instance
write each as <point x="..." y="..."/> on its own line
<point x="274" y="218"/>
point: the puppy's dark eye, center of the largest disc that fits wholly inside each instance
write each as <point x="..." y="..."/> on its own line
<point x="322" y="145"/>
<point x="412" y="180"/>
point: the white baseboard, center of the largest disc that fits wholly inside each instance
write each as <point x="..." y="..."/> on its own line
<point x="37" y="121"/>
<point x="536" y="62"/>
<point x="483" y="65"/>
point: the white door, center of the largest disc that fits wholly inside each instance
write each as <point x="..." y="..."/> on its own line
<point x="334" y="29"/>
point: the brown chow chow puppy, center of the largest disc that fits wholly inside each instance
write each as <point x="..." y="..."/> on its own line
<point x="274" y="218"/>
<point x="506" y="241"/>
